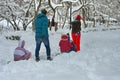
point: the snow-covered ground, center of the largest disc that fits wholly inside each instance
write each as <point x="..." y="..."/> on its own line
<point x="99" y="58"/>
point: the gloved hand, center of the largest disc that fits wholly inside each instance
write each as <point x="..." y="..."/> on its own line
<point x="77" y="33"/>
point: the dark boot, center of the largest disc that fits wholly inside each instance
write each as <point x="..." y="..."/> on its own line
<point x="37" y="59"/>
<point x="49" y="58"/>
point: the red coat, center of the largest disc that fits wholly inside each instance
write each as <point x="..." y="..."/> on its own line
<point x="65" y="45"/>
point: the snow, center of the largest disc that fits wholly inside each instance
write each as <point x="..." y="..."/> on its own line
<point x="69" y="0"/>
<point x="99" y="58"/>
<point x="55" y="5"/>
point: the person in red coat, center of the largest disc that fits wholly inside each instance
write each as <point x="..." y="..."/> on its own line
<point x="65" y="45"/>
<point x="76" y="32"/>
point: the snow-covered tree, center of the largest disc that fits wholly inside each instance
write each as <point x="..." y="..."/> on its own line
<point x="24" y="12"/>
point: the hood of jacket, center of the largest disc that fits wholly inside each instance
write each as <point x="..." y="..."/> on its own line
<point x="41" y="15"/>
<point x="21" y="44"/>
<point x="64" y="37"/>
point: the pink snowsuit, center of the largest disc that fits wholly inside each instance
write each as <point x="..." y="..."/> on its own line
<point x="21" y="53"/>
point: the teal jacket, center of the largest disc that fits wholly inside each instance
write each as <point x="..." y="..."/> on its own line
<point x="41" y="26"/>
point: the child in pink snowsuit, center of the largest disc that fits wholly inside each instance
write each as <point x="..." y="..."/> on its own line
<point x="21" y="53"/>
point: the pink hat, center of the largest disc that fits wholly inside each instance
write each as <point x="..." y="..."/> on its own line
<point x="78" y="17"/>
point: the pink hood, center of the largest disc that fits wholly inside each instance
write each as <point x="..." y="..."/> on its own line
<point x="21" y="44"/>
<point x="20" y="50"/>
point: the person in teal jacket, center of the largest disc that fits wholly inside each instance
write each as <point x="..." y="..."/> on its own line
<point x="41" y="34"/>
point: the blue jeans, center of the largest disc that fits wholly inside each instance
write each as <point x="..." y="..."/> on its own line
<point x="38" y="45"/>
<point x="73" y="47"/>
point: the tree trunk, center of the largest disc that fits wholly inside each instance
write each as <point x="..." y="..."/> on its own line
<point x="36" y="12"/>
<point x="65" y="17"/>
<point x="83" y="13"/>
